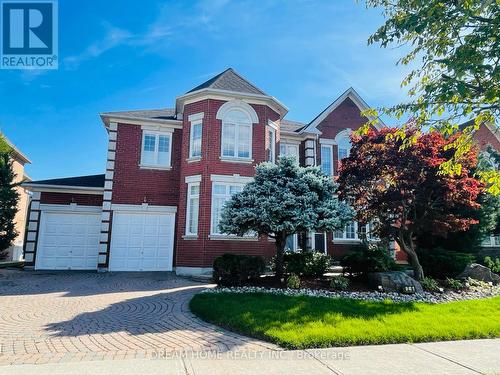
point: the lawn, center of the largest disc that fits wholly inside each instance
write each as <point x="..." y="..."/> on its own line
<point x="312" y="322"/>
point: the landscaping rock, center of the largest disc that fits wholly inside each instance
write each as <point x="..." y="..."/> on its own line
<point x="395" y="281"/>
<point x="428" y="297"/>
<point x="479" y="272"/>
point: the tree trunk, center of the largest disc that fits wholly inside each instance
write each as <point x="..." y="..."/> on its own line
<point x="280" y="251"/>
<point x="408" y="248"/>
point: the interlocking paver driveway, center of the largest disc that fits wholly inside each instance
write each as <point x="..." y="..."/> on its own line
<point x="70" y="316"/>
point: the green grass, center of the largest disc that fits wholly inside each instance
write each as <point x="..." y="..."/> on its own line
<point x="312" y="322"/>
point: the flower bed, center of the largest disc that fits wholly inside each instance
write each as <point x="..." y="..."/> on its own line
<point x="447" y="296"/>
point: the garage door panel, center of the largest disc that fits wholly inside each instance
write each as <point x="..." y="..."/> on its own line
<point x="148" y="238"/>
<point x="68" y="240"/>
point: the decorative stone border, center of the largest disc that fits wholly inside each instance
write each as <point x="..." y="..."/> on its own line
<point x="447" y="296"/>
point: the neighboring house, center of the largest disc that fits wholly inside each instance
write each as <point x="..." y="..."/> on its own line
<point x="486" y="137"/>
<point x="19" y="160"/>
<point x="168" y="174"/>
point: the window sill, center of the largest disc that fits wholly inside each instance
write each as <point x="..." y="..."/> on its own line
<point x="193" y="159"/>
<point x="346" y="241"/>
<point x="236" y="160"/>
<point x="190" y="237"/>
<point x="222" y="237"/>
<point x="159" y="167"/>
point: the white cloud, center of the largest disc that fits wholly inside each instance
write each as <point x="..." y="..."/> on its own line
<point x="171" y="21"/>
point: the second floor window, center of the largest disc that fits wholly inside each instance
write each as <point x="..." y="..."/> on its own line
<point x="195" y="140"/>
<point x="237" y="135"/>
<point x="156" y="149"/>
<point x="327" y="159"/>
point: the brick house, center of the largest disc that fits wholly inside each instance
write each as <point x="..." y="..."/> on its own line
<point x="487" y="138"/>
<point x="168" y="173"/>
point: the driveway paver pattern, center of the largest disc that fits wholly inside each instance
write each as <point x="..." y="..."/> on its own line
<point x="77" y="316"/>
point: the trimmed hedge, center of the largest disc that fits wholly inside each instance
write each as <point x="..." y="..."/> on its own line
<point x="233" y="269"/>
<point x="309" y="263"/>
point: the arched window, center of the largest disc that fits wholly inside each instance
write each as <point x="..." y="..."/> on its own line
<point x="237" y="118"/>
<point x="343" y="144"/>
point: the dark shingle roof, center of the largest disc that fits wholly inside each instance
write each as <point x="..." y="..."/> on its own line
<point x="155" y="114"/>
<point x="291" y="126"/>
<point x="231" y="81"/>
<point x="92" y="181"/>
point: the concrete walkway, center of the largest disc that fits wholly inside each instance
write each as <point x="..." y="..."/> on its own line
<point x="454" y="358"/>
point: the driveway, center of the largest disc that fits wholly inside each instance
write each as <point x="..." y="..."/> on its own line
<point x="76" y="316"/>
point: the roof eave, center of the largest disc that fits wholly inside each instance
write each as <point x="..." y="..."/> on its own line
<point x="65" y="188"/>
<point x="17" y="152"/>
<point x="349" y="93"/>
<point x="282" y="109"/>
<point x="110" y="117"/>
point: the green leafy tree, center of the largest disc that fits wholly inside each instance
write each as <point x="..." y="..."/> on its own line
<point x="284" y="199"/>
<point x="455" y="48"/>
<point x="9" y="198"/>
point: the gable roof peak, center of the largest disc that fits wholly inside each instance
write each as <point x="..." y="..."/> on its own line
<point x="229" y="80"/>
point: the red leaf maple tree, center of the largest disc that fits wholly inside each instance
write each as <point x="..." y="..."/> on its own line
<point x="398" y="186"/>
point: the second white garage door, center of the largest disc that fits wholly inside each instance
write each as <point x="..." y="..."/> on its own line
<point x="142" y="241"/>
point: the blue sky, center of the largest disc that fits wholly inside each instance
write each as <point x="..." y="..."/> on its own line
<point x="129" y="54"/>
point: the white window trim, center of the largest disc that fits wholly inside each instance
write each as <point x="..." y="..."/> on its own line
<point x="491" y="243"/>
<point x="338" y="140"/>
<point x="189" y="207"/>
<point x="272" y="144"/>
<point x="356" y="238"/>
<point x="287" y="144"/>
<point x="157" y="134"/>
<point x="331" y="157"/>
<point x="227" y="180"/>
<point x="236" y="142"/>
<point x="254" y="119"/>
<point x="195" y="119"/>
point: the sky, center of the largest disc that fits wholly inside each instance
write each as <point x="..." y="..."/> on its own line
<point x="129" y="54"/>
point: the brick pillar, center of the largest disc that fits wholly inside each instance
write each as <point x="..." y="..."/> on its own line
<point x="107" y="214"/>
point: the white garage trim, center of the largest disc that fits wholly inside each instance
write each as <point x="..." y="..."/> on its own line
<point x="143" y="208"/>
<point x="69" y="208"/>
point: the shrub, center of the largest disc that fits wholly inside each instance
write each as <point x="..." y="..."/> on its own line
<point x="454" y="284"/>
<point x="293" y="281"/>
<point x="366" y="258"/>
<point x="232" y="269"/>
<point x="492" y="264"/>
<point x="440" y="263"/>
<point x="339" y="283"/>
<point x="429" y="284"/>
<point x="306" y="263"/>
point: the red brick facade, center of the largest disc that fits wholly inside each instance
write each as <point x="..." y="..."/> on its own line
<point x="128" y="183"/>
<point x="135" y="185"/>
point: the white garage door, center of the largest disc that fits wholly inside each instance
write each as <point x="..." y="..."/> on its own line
<point x="68" y="241"/>
<point x="142" y="241"/>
